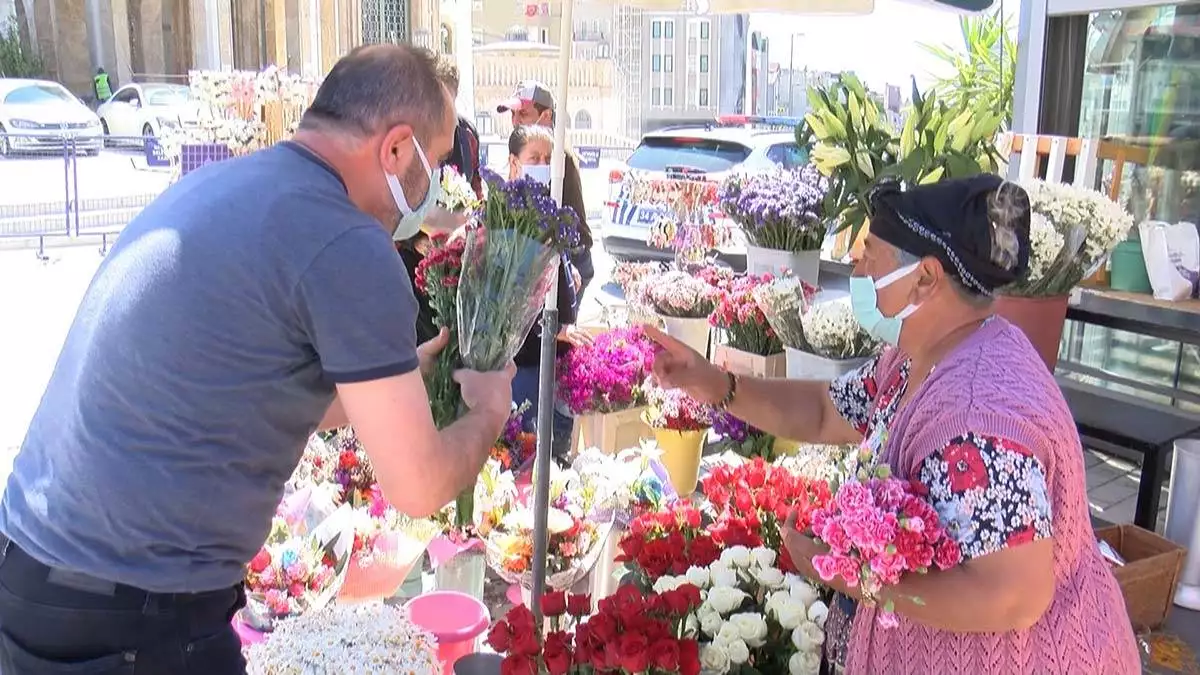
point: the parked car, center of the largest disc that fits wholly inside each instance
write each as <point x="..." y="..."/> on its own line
<point x="711" y="150"/>
<point x="140" y="110"/>
<point x="42" y="116"/>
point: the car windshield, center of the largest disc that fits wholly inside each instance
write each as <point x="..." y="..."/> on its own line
<point x="39" y="94"/>
<point x="656" y="153"/>
<point x="166" y="95"/>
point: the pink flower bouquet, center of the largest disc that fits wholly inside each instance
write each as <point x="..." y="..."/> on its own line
<point x="681" y="295"/>
<point x="877" y="531"/>
<point x="674" y="410"/>
<point x="739" y="315"/>
<point x="607" y="375"/>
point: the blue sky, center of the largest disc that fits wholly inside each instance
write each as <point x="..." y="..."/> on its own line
<point x="883" y="47"/>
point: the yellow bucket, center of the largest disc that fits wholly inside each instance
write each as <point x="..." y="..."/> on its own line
<point x="681" y="456"/>
<point x="784" y="447"/>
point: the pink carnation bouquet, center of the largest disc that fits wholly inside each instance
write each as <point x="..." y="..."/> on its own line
<point x="606" y="376"/>
<point x="673" y="409"/>
<point x="877" y="531"/>
<point x="743" y="321"/>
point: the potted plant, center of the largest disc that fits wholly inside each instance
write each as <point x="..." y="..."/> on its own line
<point x="1072" y="232"/>
<point x="601" y="383"/>
<point x="751" y="346"/>
<point x="783" y="216"/>
<point x="680" y="425"/>
<point x="683" y="303"/>
<point x="835" y="343"/>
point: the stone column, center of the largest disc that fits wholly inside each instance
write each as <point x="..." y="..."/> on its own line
<point x="327" y="34"/>
<point x="150" y="23"/>
<point x="101" y="43"/>
<point x="277" y="39"/>
<point x="224" y="27"/>
<point x="68" y="42"/>
<point x="422" y="28"/>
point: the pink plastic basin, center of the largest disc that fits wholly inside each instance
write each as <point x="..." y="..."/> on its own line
<point x="455" y="619"/>
<point x="246" y="634"/>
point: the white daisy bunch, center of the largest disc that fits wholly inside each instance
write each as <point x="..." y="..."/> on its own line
<point x="457" y="194"/>
<point x="832" y="331"/>
<point x="355" y="638"/>
<point x="1045" y="245"/>
<point x="752" y="613"/>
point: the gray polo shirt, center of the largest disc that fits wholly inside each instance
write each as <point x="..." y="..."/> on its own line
<point x="202" y="356"/>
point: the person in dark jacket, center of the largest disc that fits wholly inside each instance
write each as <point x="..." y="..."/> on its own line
<point x="465" y="159"/>
<point x="529" y="150"/>
<point x="533" y="104"/>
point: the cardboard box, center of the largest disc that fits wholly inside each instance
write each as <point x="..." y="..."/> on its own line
<point x="745" y="363"/>
<point x="612" y="432"/>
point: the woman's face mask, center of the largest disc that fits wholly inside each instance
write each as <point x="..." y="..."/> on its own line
<point x="864" y="300"/>
<point x="538" y="172"/>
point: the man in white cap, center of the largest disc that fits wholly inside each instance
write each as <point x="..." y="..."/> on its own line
<point x="533" y="104"/>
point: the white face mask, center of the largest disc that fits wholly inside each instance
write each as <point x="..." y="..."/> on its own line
<point x="538" y="172"/>
<point x="411" y="218"/>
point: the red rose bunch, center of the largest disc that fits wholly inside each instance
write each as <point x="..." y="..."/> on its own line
<point x="752" y="502"/>
<point x="744" y="322"/>
<point x="631" y="633"/>
<point x="668" y="542"/>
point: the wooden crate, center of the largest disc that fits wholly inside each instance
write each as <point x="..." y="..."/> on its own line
<point x="1150" y="574"/>
<point x="612" y="432"/>
<point x="745" y="363"/>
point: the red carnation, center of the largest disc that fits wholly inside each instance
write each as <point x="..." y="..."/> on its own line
<point x="260" y="561"/>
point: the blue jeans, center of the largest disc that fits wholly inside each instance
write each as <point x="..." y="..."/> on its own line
<point x="525" y="388"/>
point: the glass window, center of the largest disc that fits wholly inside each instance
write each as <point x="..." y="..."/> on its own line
<point x="656" y="29"/>
<point x="656" y="63"/>
<point x="668" y="96"/>
<point x="704" y="28"/>
<point x="656" y="153"/>
<point x="669" y="30"/>
<point x="704" y="63"/>
<point x="787" y="155"/>
<point x="703" y="97"/>
<point x="39" y="93"/>
<point x="166" y="95"/>
<point x="669" y="64"/>
<point x="656" y="96"/>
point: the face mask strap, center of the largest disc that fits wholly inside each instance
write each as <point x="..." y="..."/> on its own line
<point x="421" y="155"/>
<point x="891" y="277"/>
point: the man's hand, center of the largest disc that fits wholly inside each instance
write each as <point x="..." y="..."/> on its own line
<point x="427" y="352"/>
<point x="574" y="335"/>
<point x="678" y="366"/>
<point x="487" y="392"/>
<point x="441" y="221"/>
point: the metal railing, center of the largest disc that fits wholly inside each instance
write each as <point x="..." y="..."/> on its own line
<point x="57" y="185"/>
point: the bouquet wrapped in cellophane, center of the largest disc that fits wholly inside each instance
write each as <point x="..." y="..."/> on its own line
<point x="782" y="301"/>
<point x="508" y="266"/>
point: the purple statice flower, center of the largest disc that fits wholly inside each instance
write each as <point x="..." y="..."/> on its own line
<point x="730" y="428"/>
<point x="525" y="205"/>
<point x="782" y="210"/>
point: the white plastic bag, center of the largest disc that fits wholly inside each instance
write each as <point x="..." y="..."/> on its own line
<point x="1172" y="254"/>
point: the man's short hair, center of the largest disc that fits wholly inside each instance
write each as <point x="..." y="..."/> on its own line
<point x="447" y="73"/>
<point x="376" y="87"/>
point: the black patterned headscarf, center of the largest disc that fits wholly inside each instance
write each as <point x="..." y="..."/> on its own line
<point x="953" y="221"/>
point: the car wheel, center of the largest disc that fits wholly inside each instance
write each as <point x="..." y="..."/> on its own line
<point x="5" y="147"/>
<point x="147" y="130"/>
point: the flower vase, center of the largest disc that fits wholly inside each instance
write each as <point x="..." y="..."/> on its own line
<point x="478" y="664"/>
<point x="692" y="332"/>
<point x="465" y="573"/>
<point x="802" y="365"/>
<point x="681" y="452"/>
<point x="783" y="447"/>
<point x="1041" y="319"/>
<point x="804" y="265"/>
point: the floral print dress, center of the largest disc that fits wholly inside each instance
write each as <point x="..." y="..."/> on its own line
<point x="989" y="492"/>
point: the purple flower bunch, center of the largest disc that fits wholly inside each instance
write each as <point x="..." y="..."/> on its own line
<point x="525" y="205"/>
<point x="743" y="439"/>
<point x="781" y="210"/>
<point x="607" y="375"/>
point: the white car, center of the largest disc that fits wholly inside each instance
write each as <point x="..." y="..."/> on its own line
<point x="141" y="110"/>
<point x="712" y="150"/>
<point x="39" y="116"/>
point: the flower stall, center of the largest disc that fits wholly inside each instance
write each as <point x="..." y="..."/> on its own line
<point x="751" y="346"/>
<point x="782" y="214"/>
<point x="601" y="383"/>
<point x="1072" y="232"/>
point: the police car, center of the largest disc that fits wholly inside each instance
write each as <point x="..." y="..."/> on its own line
<point x="711" y="150"/>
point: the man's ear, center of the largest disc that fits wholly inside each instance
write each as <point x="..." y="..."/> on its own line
<point x="396" y="149"/>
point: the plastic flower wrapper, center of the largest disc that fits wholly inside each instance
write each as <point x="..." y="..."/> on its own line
<point x="574" y="545"/>
<point x="373" y="638"/>
<point x="753" y="614"/>
<point x="818" y="462"/>
<point x="781" y="210"/>
<point x="516" y="447"/>
<point x="832" y="332"/>
<point x="606" y="375"/>
<point x="782" y="301"/>
<point x="387" y="544"/>
<point x="625" y="483"/>
<point x="299" y="573"/>
<point x="457" y="195"/>
<point x="1072" y="232"/>
<point x="739" y="315"/>
<point x="508" y="267"/>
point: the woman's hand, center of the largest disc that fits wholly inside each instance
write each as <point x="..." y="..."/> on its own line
<point x="678" y="366"/>
<point x="427" y="351"/>
<point x="575" y="336"/>
<point x="802" y="549"/>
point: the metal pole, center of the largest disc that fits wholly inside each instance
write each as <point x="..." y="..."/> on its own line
<point x="546" y="396"/>
<point x="792" y="76"/>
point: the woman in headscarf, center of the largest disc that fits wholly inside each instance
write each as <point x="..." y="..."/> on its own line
<point x="959" y="403"/>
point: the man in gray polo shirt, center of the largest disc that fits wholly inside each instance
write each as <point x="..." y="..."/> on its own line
<point x="250" y="303"/>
